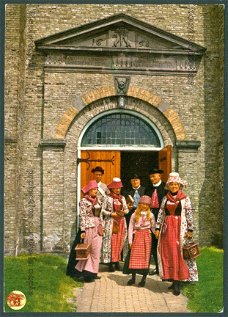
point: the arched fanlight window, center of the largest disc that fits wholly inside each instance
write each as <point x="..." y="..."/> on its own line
<point x="120" y="129"/>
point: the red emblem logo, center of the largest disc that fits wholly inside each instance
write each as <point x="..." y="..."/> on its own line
<point x="16" y="300"/>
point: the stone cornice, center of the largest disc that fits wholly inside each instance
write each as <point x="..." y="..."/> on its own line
<point x="188" y="145"/>
<point x="52" y="143"/>
<point x="9" y="139"/>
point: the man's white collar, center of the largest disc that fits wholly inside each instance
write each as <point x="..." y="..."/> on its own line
<point x="156" y="185"/>
<point x="136" y="188"/>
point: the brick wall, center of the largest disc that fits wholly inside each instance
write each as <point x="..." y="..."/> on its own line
<point x="211" y="208"/>
<point x="37" y="100"/>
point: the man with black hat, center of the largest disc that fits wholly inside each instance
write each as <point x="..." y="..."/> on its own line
<point x="135" y="192"/>
<point x="103" y="190"/>
<point x="156" y="190"/>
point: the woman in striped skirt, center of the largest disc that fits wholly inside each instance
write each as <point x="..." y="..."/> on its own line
<point x="139" y="237"/>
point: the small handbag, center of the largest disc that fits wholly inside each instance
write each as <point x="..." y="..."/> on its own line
<point x="82" y="251"/>
<point x="190" y="251"/>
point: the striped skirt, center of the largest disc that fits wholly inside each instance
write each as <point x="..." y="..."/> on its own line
<point x="140" y="250"/>
<point x="117" y="241"/>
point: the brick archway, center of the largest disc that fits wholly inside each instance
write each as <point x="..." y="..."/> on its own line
<point x="135" y="92"/>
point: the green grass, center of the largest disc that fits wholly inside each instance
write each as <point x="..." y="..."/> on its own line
<point x="43" y="281"/>
<point x="47" y="289"/>
<point x="207" y="294"/>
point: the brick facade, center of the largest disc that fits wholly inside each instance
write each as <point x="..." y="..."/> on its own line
<point x="46" y="110"/>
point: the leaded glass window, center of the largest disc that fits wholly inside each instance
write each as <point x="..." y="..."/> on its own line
<point x="120" y="129"/>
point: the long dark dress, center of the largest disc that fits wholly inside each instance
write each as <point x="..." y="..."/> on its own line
<point x="90" y="224"/>
<point x="70" y="270"/>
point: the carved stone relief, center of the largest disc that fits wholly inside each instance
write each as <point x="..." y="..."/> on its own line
<point x="121" y="47"/>
<point x="121" y="85"/>
<point x="121" y="38"/>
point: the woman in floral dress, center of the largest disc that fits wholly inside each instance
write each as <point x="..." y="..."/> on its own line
<point x="91" y="231"/>
<point x="115" y="228"/>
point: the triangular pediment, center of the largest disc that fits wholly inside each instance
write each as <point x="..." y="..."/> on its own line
<point x="118" y="33"/>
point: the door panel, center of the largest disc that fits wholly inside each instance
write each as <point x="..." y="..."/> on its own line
<point x="108" y="160"/>
<point x="164" y="161"/>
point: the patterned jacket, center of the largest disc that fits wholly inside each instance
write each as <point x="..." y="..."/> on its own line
<point x="86" y="215"/>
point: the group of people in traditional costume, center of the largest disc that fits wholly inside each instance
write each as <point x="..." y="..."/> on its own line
<point x="156" y="220"/>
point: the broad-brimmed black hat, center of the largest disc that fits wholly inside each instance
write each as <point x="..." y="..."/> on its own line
<point x="98" y="169"/>
<point x="156" y="171"/>
<point x="135" y="176"/>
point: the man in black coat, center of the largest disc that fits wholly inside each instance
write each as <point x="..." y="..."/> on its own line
<point x="135" y="191"/>
<point x="156" y="190"/>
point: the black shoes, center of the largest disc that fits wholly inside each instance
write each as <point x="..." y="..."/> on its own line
<point x="142" y="283"/>
<point x="171" y="286"/>
<point x="176" y="293"/>
<point x="88" y="279"/>
<point x="131" y="282"/>
<point x="176" y="288"/>
<point x="117" y="266"/>
<point x="111" y="268"/>
<point x="114" y="267"/>
<point x="78" y="278"/>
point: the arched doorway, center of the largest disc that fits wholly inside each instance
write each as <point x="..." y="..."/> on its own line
<point x="122" y="142"/>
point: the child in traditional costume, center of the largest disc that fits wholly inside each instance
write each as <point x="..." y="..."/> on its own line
<point x="142" y="223"/>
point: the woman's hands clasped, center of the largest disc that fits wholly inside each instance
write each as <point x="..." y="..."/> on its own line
<point x="118" y="214"/>
<point x="114" y="215"/>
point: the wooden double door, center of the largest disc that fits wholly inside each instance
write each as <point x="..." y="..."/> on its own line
<point x="124" y="163"/>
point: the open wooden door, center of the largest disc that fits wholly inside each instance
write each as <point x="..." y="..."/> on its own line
<point x="108" y="160"/>
<point x="164" y="161"/>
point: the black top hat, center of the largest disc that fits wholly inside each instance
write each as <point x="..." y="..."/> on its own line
<point x="98" y="169"/>
<point x="156" y="171"/>
<point x="135" y="176"/>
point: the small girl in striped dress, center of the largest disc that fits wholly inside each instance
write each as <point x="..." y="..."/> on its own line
<point x="139" y="237"/>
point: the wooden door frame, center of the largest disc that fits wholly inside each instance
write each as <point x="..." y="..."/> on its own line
<point x="128" y="148"/>
<point x="125" y="148"/>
